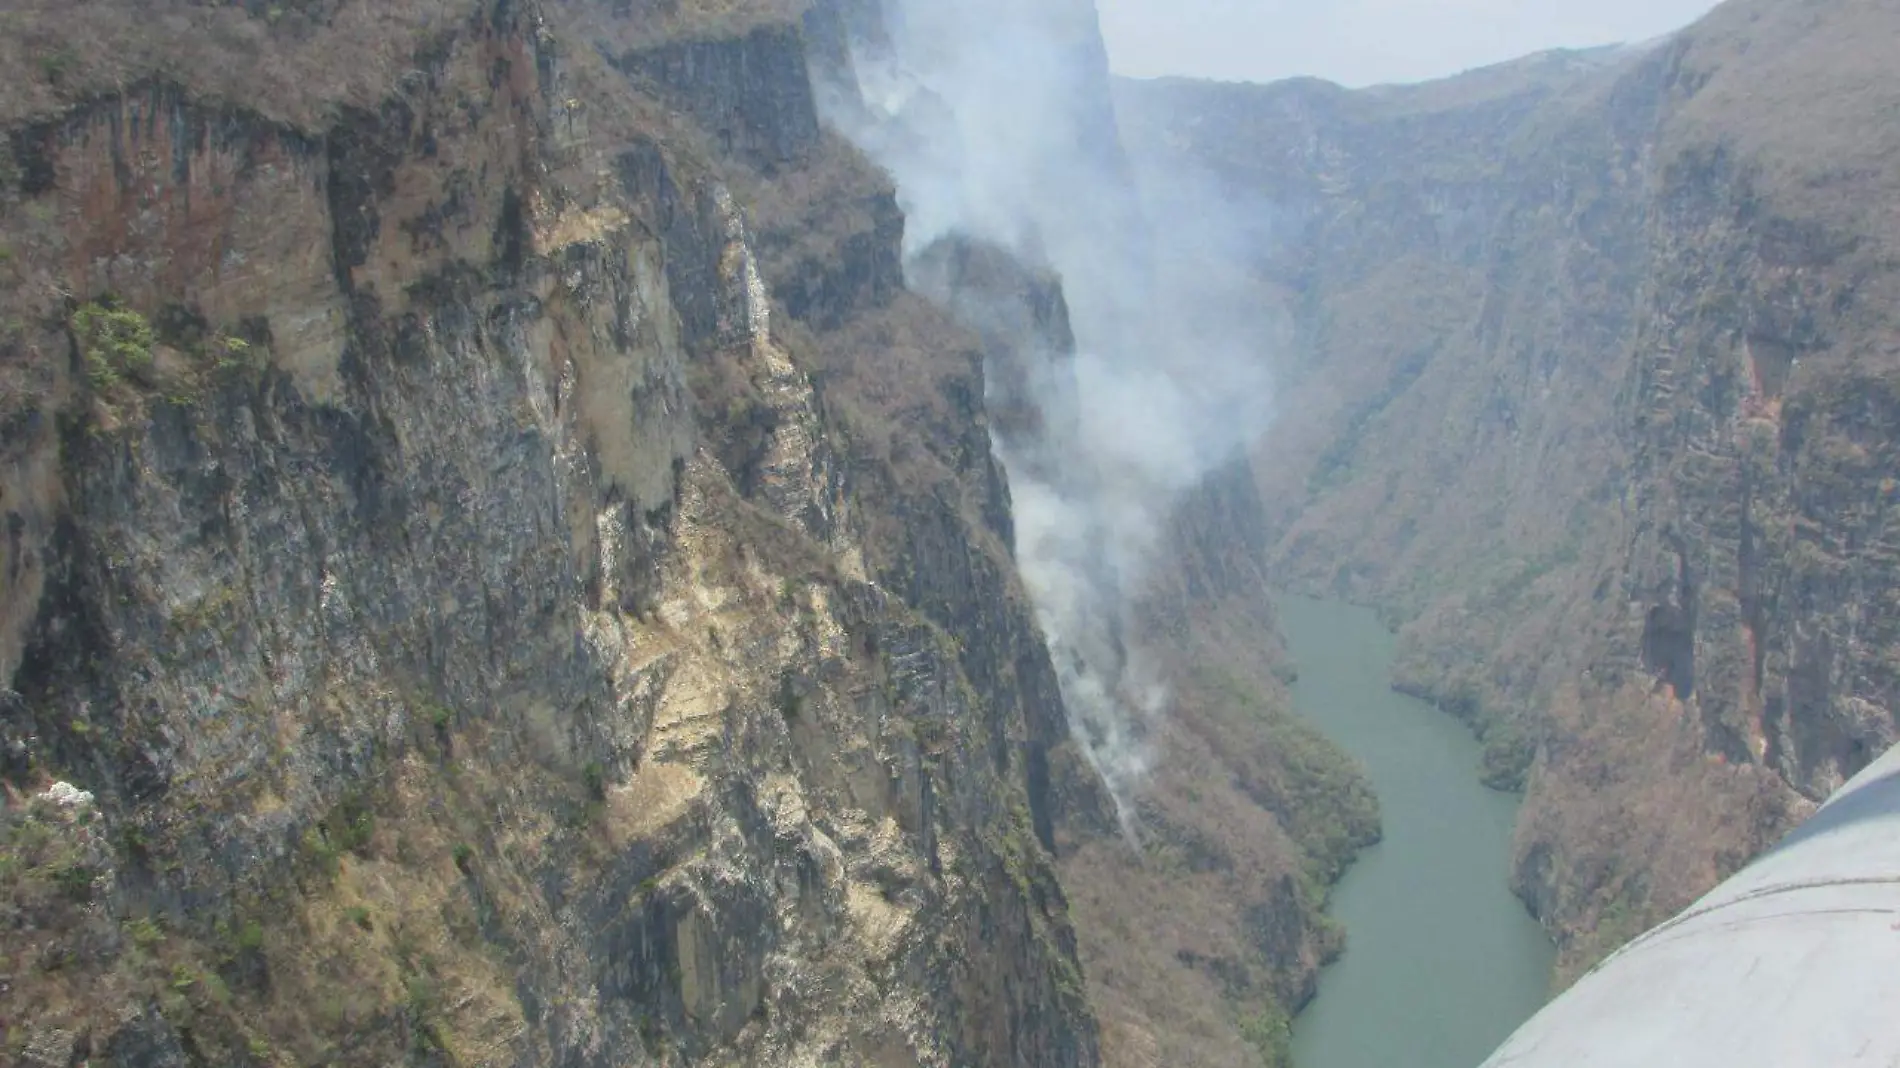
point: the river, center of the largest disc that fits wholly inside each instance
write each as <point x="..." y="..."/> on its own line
<point x="1442" y="962"/>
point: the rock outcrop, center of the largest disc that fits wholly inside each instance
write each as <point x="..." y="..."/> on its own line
<point x="521" y="580"/>
<point x="1590" y="387"/>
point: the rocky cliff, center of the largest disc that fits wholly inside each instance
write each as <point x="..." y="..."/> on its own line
<point x="505" y="569"/>
<point x="1198" y="875"/>
<point x="1590" y="385"/>
<point x="1198" y="913"/>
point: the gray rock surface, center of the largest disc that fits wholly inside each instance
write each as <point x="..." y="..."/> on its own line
<point x="485" y="636"/>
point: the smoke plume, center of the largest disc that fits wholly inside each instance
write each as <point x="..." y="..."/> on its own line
<point x="995" y="117"/>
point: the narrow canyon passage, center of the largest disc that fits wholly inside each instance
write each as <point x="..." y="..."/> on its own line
<point x="1441" y="963"/>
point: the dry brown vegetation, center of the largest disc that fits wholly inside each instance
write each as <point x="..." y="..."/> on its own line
<point x="1798" y="92"/>
<point x="633" y="24"/>
<point x="1200" y="947"/>
<point x="373" y="947"/>
<point x="292" y="61"/>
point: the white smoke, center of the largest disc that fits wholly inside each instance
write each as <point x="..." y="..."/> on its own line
<point x="996" y="121"/>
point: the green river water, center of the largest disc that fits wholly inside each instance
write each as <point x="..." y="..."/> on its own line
<point x="1441" y="963"/>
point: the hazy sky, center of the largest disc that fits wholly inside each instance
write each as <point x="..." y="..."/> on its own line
<point x="1362" y="42"/>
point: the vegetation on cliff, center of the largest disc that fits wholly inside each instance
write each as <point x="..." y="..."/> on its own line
<point x="503" y="608"/>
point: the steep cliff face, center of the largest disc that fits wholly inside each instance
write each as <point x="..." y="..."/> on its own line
<point x="1590" y="391"/>
<point x="1198" y="874"/>
<point x="1200" y="918"/>
<point x="491" y="629"/>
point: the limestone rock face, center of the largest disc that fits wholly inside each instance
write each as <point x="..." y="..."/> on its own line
<point x="1589" y="385"/>
<point x="504" y="608"/>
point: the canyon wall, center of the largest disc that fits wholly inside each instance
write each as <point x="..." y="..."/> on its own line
<point x="515" y="576"/>
<point x="503" y="567"/>
<point x="1589" y="388"/>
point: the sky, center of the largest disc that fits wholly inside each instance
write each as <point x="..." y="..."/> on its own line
<point x="1366" y="42"/>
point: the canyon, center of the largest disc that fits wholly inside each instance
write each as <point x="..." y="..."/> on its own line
<point x="538" y="533"/>
<point x="1587" y="386"/>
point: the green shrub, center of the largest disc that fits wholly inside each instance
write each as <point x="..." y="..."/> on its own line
<point x="144" y="932"/>
<point x="114" y="341"/>
<point x="1508" y="754"/>
<point x="75" y="881"/>
<point x="317" y="852"/>
<point x="350" y="826"/>
<point x="1270" y="1033"/>
<point x="245" y="939"/>
<point x="232" y="353"/>
<point x="419" y="996"/>
<point x="57" y="64"/>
